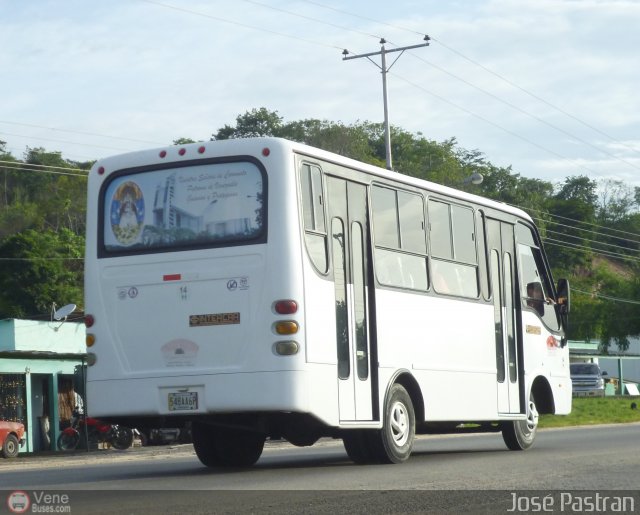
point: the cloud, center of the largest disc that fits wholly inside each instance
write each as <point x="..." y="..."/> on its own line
<point x="147" y="72"/>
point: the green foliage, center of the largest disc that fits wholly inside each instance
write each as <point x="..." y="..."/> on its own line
<point x="42" y="223"/>
<point x="32" y="198"/>
<point x="595" y="410"/>
<point x="43" y="214"/>
<point x="252" y="124"/>
<point x="38" y="269"/>
<point x="183" y="141"/>
<point x="574" y="206"/>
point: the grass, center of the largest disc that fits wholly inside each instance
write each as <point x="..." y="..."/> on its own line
<point x="596" y="410"/>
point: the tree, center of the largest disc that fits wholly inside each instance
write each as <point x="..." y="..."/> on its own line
<point x="254" y="123"/>
<point x="619" y="320"/>
<point x="183" y="141"/>
<point x="38" y="269"/>
<point x="44" y="195"/>
<point x="575" y="205"/>
<point x="347" y="140"/>
<point x="616" y="202"/>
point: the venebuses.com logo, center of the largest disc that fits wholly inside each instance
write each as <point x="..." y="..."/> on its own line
<point x="38" y="502"/>
<point x="18" y="502"/>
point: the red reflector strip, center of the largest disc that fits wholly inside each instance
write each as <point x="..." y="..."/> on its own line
<point x="172" y="277"/>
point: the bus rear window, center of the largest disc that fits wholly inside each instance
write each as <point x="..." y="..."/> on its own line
<point x="183" y="207"/>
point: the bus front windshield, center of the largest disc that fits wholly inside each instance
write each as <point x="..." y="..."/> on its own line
<point x="183" y="207"/>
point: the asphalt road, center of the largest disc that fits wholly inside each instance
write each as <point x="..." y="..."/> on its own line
<point x="446" y="474"/>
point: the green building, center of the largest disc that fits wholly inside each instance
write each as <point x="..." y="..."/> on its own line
<point x="39" y="363"/>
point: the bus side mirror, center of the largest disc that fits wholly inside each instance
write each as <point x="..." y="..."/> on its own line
<point x="564" y="296"/>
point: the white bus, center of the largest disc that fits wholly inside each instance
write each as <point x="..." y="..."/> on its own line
<point x="260" y="288"/>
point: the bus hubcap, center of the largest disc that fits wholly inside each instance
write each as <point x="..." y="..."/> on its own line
<point x="399" y="424"/>
<point x="532" y="417"/>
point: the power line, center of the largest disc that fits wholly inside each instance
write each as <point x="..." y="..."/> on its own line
<point x="486" y="120"/>
<point x="20" y="169"/>
<point x="553" y="222"/>
<point x="595" y="242"/>
<point x="304" y="17"/>
<point x="331" y="46"/>
<point x="533" y="95"/>
<point x="341" y="11"/>
<point x="66" y="141"/>
<point x="384" y="74"/>
<point x="41" y="166"/>
<point x="581" y="222"/>
<point x="43" y="259"/>
<point x="574" y="246"/>
<point x="385" y="69"/>
<point x="480" y="65"/>
<point x="83" y="133"/>
<point x="244" y="25"/>
<point x="68" y="155"/>
<point x="607" y="297"/>
<point x="526" y="113"/>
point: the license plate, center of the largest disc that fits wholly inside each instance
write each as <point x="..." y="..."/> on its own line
<point x="183" y="401"/>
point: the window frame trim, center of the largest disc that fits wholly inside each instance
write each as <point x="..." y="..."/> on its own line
<point x="262" y="237"/>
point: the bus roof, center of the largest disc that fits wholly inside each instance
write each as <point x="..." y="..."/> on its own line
<point x="254" y="146"/>
<point x="403" y="178"/>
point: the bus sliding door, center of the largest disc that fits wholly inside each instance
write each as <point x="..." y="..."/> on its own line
<point x="350" y="235"/>
<point x="503" y="286"/>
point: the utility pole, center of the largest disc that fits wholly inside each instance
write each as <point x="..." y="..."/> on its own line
<point x="384" y="69"/>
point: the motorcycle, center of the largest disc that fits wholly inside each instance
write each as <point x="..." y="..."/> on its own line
<point x="118" y="437"/>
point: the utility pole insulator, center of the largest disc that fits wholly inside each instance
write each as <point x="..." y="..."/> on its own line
<point x="384" y="69"/>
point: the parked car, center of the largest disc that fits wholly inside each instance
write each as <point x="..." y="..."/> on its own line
<point x="11" y="438"/>
<point x="587" y="380"/>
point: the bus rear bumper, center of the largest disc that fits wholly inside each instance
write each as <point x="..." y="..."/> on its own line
<point x="197" y="395"/>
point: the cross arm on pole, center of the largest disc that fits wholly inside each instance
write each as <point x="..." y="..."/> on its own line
<point x="347" y="57"/>
<point x="384" y="69"/>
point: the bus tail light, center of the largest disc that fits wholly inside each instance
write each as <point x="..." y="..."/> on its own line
<point x="89" y="320"/>
<point x="91" y="359"/>
<point x="286" y="348"/>
<point x="286" y="327"/>
<point x="91" y="339"/>
<point x="285" y="307"/>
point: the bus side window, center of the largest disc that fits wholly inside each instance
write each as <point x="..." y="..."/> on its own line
<point x="400" y="242"/>
<point x="535" y="297"/>
<point x="314" y="216"/>
<point x="454" y="262"/>
<point x="535" y="285"/>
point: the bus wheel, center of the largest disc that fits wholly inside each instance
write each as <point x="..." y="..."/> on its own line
<point x="219" y="447"/>
<point x="394" y="442"/>
<point x="356" y="443"/>
<point x="520" y="434"/>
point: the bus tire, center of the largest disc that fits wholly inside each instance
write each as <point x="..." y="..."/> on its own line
<point x="356" y="443"/>
<point x="394" y="442"/>
<point x="519" y="435"/>
<point x="10" y="447"/>
<point x="219" y="447"/>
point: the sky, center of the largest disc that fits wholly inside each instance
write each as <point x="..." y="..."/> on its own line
<point x="549" y="87"/>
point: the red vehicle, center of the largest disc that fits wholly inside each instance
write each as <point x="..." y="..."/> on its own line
<point x="11" y="438"/>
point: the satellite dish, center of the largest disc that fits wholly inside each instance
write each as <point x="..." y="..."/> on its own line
<point x="64" y="311"/>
